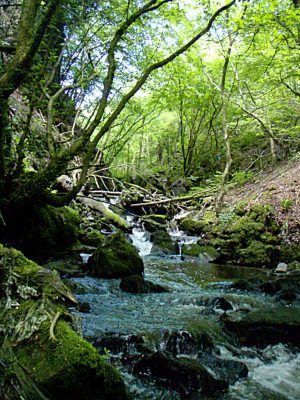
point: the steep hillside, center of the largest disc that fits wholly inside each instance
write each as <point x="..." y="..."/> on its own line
<point x="279" y="187"/>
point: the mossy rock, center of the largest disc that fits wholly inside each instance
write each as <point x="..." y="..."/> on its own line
<point x="240" y="208"/>
<point x="192" y="226"/>
<point x="41" y="232"/>
<point x="246" y="228"/>
<point x="43" y="355"/>
<point x="92" y="238"/>
<point x="162" y="243"/>
<point x="161" y="219"/>
<point x="57" y="227"/>
<point x="69" y="367"/>
<point x="256" y="254"/>
<point x="137" y="284"/>
<point x="291" y="253"/>
<point x="116" y="258"/>
<point x="205" y="253"/>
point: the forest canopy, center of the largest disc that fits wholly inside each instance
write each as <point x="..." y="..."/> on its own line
<point x="204" y="90"/>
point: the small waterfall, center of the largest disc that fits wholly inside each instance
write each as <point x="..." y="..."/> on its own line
<point x="140" y="239"/>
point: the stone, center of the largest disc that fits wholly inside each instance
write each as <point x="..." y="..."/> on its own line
<point x="263" y="327"/>
<point x="116" y="258"/>
<point x="137" y="284"/>
<point x="227" y="370"/>
<point x="162" y="243"/>
<point x="183" y="342"/>
<point x="185" y="375"/>
<point x="281" y="268"/>
<point x="117" y="343"/>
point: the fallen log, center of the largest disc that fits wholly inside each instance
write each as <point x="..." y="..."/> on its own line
<point x="181" y="199"/>
<point x="103" y="209"/>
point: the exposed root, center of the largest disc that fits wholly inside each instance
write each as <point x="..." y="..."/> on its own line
<point x="52" y="326"/>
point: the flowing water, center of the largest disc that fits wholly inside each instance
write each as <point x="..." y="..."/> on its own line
<point x="274" y="373"/>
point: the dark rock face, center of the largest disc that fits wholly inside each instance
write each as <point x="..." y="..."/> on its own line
<point x="117" y="343"/>
<point x="263" y="327"/>
<point x="137" y="284"/>
<point x="116" y="258"/>
<point x="185" y="375"/>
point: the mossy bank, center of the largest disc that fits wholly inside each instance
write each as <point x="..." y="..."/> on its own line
<point x="42" y="355"/>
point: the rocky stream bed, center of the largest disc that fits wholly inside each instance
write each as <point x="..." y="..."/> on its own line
<point x="204" y="337"/>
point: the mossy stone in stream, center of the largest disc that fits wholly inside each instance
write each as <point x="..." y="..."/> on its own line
<point x="153" y="222"/>
<point x="207" y="253"/>
<point x="116" y="258"/>
<point x="137" y="284"/>
<point x="92" y="238"/>
<point x="192" y="226"/>
<point x="162" y="243"/>
<point x="265" y="326"/>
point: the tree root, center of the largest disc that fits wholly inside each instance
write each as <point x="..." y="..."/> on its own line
<point x="52" y="326"/>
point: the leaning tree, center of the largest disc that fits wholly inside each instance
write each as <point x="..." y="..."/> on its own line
<point x="89" y="60"/>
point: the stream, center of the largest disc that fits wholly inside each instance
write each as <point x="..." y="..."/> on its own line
<point x="274" y="372"/>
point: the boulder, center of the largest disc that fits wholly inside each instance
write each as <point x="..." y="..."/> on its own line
<point x="263" y="327"/>
<point x="117" y="343"/>
<point x="281" y="268"/>
<point x="227" y="370"/>
<point x="220" y="303"/>
<point x="116" y="258"/>
<point x="154" y="222"/>
<point x="137" y="284"/>
<point x="183" y="342"/>
<point x="162" y="243"/>
<point x="185" y="375"/>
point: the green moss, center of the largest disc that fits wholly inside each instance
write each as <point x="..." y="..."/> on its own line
<point x="69" y="367"/>
<point x="192" y="226"/>
<point x="57" y="227"/>
<point x="246" y="228"/>
<point x="256" y="254"/>
<point x="93" y="238"/>
<point x="16" y="260"/>
<point x="64" y="366"/>
<point x="161" y="219"/>
<point x="240" y="208"/>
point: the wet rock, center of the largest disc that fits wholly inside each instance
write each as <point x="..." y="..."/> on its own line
<point x="162" y="243"/>
<point x="265" y="326"/>
<point x="154" y="222"/>
<point x="185" y="375"/>
<point x="116" y="258"/>
<point x="217" y="302"/>
<point x="208" y="311"/>
<point x="183" y="342"/>
<point x="83" y="307"/>
<point x="137" y="284"/>
<point x="227" y="370"/>
<point x="117" y="343"/>
<point x="251" y="284"/>
<point x="192" y="226"/>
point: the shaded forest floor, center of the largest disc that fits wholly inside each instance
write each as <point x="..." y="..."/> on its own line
<point x="279" y="187"/>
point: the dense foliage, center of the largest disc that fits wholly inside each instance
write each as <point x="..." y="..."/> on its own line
<point x="206" y="91"/>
